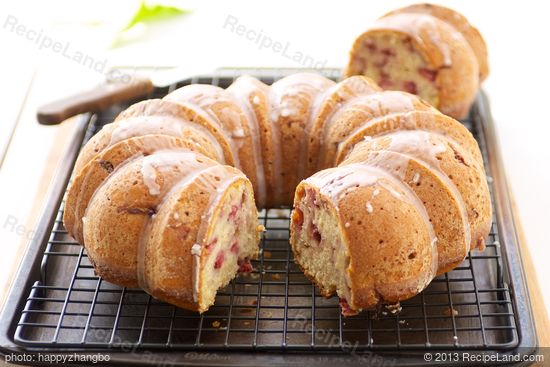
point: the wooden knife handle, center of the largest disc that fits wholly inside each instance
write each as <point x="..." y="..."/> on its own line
<point x="95" y="99"/>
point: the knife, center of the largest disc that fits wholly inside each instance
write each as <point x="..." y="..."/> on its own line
<point x="107" y="94"/>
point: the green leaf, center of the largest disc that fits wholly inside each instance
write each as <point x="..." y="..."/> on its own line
<point x="153" y="12"/>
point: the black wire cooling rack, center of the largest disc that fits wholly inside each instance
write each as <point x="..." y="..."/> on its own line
<point x="478" y="306"/>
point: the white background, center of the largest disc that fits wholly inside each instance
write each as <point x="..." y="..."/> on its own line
<point x="516" y="33"/>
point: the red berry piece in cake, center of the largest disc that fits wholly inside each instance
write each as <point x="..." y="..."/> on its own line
<point x="220" y="258"/>
<point x="245" y="266"/>
<point x="235" y="247"/>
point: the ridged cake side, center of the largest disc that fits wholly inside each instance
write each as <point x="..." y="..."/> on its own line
<point x="165" y="197"/>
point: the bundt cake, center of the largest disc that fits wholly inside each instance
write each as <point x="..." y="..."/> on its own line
<point x="424" y="49"/>
<point x="164" y="197"/>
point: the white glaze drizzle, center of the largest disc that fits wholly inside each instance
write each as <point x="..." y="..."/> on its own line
<point x="216" y="191"/>
<point x="345" y="90"/>
<point x="159" y="122"/>
<point x="112" y="175"/>
<point x="275" y="97"/>
<point x="238" y="133"/>
<point x="420" y="145"/>
<point x="150" y="169"/>
<point x="312" y="87"/>
<point x="143" y="241"/>
<point x="199" y="98"/>
<point x="417" y="143"/>
<point x="137" y="126"/>
<point x="152" y="143"/>
<point x="307" y="84"/>
<point x="408" y="124"/>
<point x="196" y="251"/>
<point x="373" y="107"/>
<point x="418" y="26"/>
<point x="316" y="87"/>
<point x="200" y="174"/>
<point x="391" y="123"/>
<point x="149" y="174"/>
<point x="79" y="198"/>
<point x="241" y="91"/>
<point x="178" y="157"/>
<point x="369" y="207"/>
<point x="151" y="165"/>
<point x="336" y="182"/>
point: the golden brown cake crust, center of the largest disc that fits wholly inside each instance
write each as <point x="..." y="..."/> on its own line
<point x="185" y="113"/>
<point x="125" y="202"/>
<point x="219" y="106"/>
<point x="336" y="98"/>
<point x="416" y="120"/>
<point x="359" y="112"/>
<point x="172" y="235"/>
<point x="393" y="230"/>
<point x="144" y="220"/>
<point x="294" y="102"/>
<point x="461" y="24"/>
<point x="253" y="95"/>
<point x="92" y="175"/>
<point x="463" y="182"/>
<point x="138" y="120"/>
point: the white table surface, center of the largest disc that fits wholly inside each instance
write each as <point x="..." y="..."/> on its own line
<point x="515" y="31"/>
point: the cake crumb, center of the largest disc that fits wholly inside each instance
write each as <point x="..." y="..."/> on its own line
<point x="276" y="276"/>
<point x="450" y="311"/>
<point x="267" y="254"/>
<point x="279" y="213"/>
<point x="216" y="324"/>
<point x="394" y="309"/>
